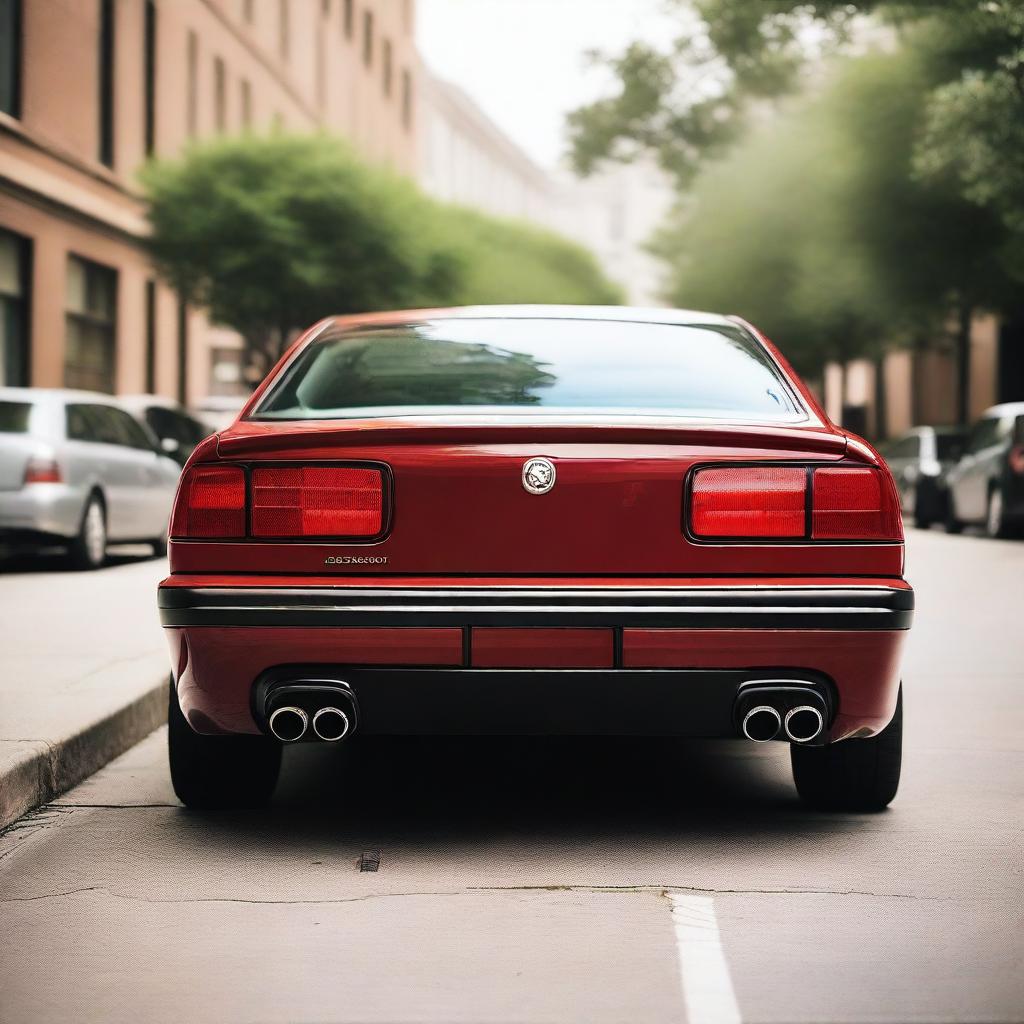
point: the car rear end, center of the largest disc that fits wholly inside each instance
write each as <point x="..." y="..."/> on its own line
<point x="698" y="571"/>
<point x="37" y="501"/>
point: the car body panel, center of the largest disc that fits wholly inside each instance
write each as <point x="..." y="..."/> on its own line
<point x="487" y="608"/>
<point x="985" y="466"/>
<point x="136" y="484"/>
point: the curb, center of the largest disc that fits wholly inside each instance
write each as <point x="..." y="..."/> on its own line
<point x="40" y="771"/>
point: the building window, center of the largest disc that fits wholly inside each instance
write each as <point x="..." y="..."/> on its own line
<point x="10" y="57"/>
<point x="385" y="56"/>
<point x="220" y="97"/>
<point x="90" y="326"/>
<point x="246" y="103"/>
<point x="15" y="269"/>
<point x="348" y="17"/>
<point x="151" y="337"/>
<point x="192" y="99"/>
<point x="149" y="71"/>
<point x="406" y="99"/>
<point x="226" y="371"/>
<point x="182" y="352"/>
<point x="368" y="38"/>
<point x="283" y="28"/>
<point x="106" y="76"/>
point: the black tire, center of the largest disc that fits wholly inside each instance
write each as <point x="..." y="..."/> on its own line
<point x="952" y="524"/>
<point x="853" y="775"/>
<point x="88" y="550"/>
<point x="210" y="772"/>
<point x="159" y="545"/>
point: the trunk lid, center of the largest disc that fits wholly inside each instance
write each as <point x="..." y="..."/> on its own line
<point x="460" y="507"/>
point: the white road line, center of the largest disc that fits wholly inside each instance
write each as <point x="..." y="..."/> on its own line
<point x="707" y="987"/>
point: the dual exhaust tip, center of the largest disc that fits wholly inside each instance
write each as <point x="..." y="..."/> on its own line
<point x="801" y="724"/>
<point x="290" y="723"/>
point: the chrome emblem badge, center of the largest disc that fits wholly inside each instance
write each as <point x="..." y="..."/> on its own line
<point x="538" y="476"/>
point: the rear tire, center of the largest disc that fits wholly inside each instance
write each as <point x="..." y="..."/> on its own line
<point x="88" y="550"/>
<point x="952" y="524"/>
<point x="853" y="775"/>
<point x="210" y="772"/>
<point x="159" y="546"/>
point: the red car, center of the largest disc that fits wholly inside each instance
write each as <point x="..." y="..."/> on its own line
<point x="535" y="520"/>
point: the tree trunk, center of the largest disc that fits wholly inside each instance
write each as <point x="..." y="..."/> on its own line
<point x="963" y="364"/>
<point x="881" y="400"/>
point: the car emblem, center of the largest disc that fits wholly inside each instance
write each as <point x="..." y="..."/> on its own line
<point x="538" y="476"/>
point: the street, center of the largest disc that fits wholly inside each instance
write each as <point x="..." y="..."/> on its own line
<point x="553" y="881"/>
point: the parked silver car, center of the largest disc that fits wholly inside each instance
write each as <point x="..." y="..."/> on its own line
<point x="77" y="468"/>
<point x="177" y="430"/>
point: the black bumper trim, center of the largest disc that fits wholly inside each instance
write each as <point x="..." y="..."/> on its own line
<point x="771" y="607"/>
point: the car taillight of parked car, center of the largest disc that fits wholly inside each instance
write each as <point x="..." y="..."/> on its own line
<point x="279" y="502"/>
<point x="824" y="503"/>
<point x="42" y="470"/>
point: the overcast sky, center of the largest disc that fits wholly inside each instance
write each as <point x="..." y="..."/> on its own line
<point x="523" y="60"/>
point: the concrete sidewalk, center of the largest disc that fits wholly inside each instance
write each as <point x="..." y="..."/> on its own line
<point x="84" y="673"/>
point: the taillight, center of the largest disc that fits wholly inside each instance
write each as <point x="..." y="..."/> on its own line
<point x="317" y="501"/>
<point x="749" y="501"/>
<point x="41" y="470"/>
<point x="211" y="503"/>
<point x="772" y="502"/>
<point x="851" y="503"/>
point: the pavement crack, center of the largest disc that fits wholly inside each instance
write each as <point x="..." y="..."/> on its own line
<point x="662" y="890"/>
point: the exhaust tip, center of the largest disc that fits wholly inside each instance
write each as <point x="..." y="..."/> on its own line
<point x="803" y="724"/>
<point x="761" y="723"/>
<point x="289" y="723"/>
<point x="331" y="724"/>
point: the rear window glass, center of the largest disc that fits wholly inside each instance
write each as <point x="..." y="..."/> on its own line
<point x="523" y="365"/>
<point x="949" y="446"/>
<point x="14" y="417"/>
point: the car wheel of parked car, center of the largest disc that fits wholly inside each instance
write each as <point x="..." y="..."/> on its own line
<point x="923" y="516"/>
<point x="852" y="775"/>
<point x="952" y="524"/>
<point x="995" y="520"/>
<point x="88" y="550"/>
<point x="160" y="546"/>
<point x="219" y="771"/>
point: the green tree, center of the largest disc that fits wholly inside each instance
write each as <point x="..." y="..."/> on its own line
<point x="275" y="232"/>
<point x="271" y="233"/>
<point x="815" y="228"/>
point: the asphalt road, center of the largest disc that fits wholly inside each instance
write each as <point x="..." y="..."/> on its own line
<point x="526" y="881"/>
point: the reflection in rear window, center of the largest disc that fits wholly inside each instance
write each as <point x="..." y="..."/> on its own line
<point x="519" y="365"/>
<point x="14" y="417"/>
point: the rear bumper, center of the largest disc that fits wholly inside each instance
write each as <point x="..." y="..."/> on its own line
<point x="46" y="509"/>
<point x="660" y="660"/>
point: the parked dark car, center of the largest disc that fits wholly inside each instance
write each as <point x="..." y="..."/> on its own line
<point x="920" y="461"/>
<point x="986" y="486"/>
<point x="176" y="428"/>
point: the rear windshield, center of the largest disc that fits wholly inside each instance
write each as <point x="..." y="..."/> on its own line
<point x="14" y="417"/>
<point x="524" y="365"/>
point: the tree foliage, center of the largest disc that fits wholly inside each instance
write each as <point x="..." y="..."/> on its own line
<point x="272" y="233"/>
<point x="815" y="228"/>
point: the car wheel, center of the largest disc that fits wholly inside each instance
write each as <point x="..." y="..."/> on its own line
<point x="853" y="775"/>
<point x="210" y="772"/>
<point x="923" y="518"/>
<point x="89" y="548"/>
<point x="160" y="546"/>
<point x="995" y="520"/>
<point x="952" y="524"/>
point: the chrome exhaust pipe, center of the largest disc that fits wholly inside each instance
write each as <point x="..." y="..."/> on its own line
<point x="761" y="723"/>
<point x="803" y="724"/>
<point x="331" y="724"/>
<point x="289" y="723"/>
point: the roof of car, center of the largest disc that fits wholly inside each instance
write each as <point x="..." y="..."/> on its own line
<point x="625" y="314"/>
<point x="1004" y="409"/>
<point x="57" y="395"/>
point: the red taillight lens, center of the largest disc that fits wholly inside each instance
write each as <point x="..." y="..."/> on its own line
<point x="317" y="501"/>
<point x="42" y="471"/>
<point x="851" y="503"/>
<point x="749" y="501"/>
<point x="211" y="503"/>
